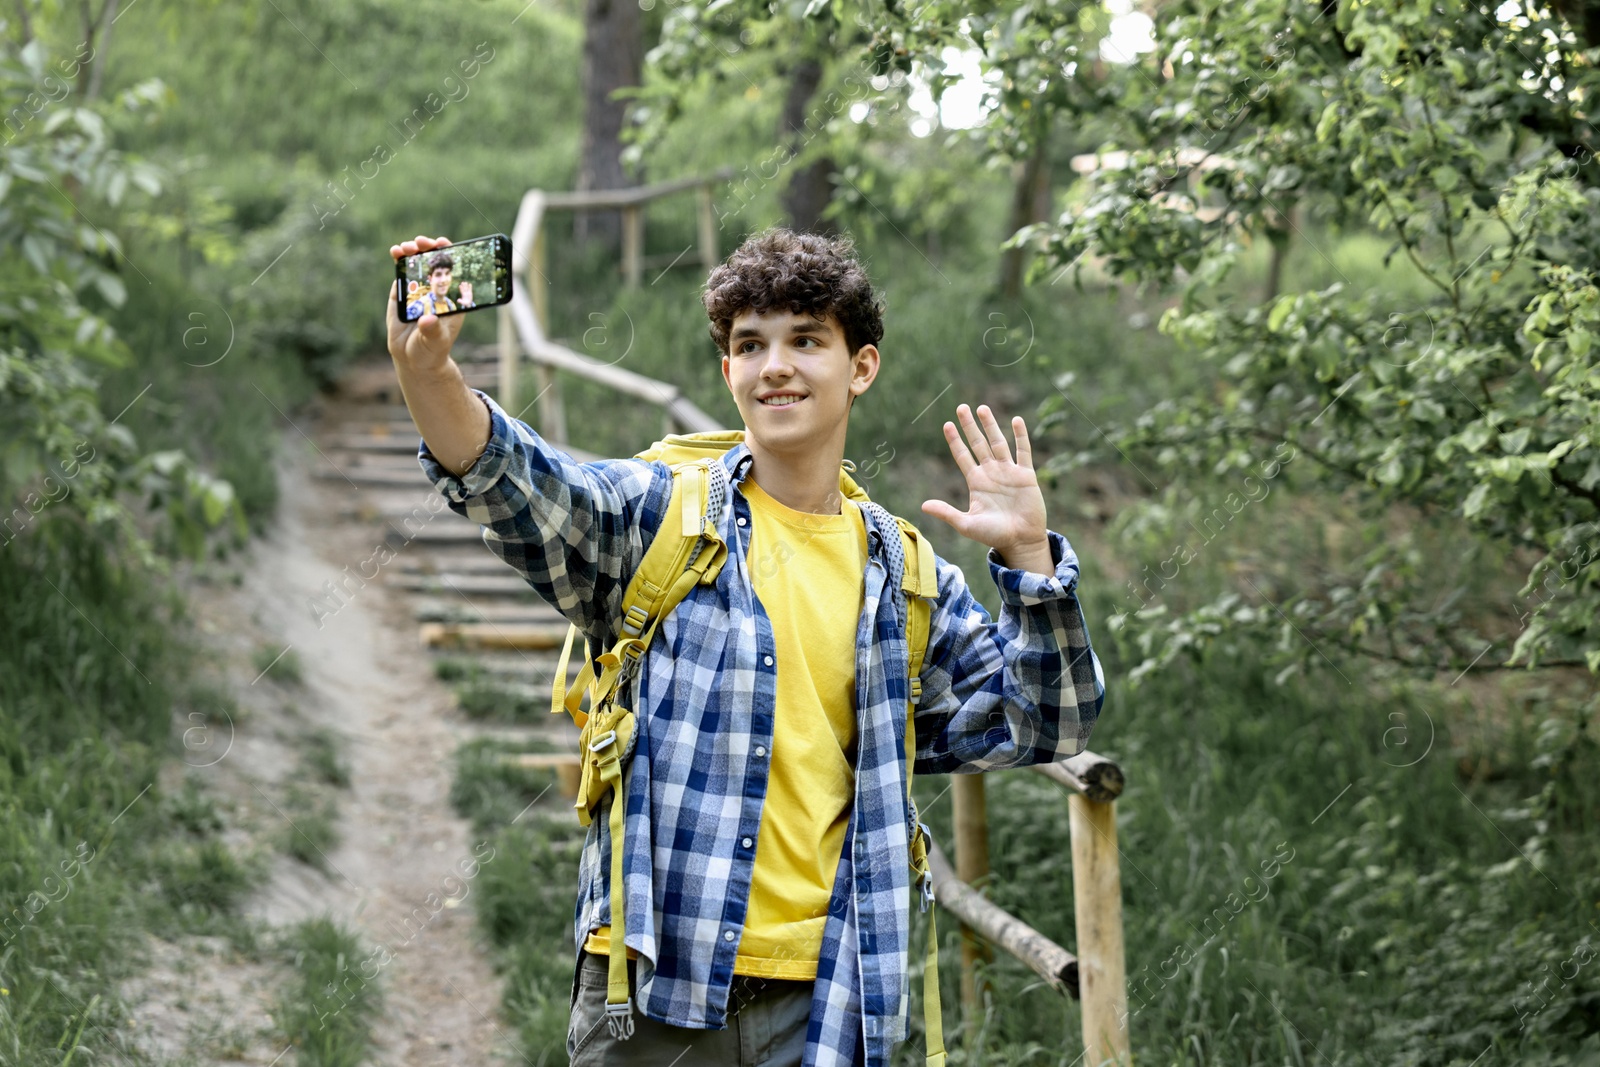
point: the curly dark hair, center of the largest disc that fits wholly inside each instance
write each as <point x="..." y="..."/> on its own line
<point x="807" y="273"/>
<point x="441" y="260"/>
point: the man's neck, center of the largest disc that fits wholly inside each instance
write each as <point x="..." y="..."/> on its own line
<point x="807" y="481"/>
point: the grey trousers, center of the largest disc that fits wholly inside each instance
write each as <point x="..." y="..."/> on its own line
<point x="766" y="1026"/>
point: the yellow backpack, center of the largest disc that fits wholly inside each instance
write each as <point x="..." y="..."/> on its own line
<point x="687" y="551"/>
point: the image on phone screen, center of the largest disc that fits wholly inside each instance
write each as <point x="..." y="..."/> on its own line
<point x="462" y="277"/>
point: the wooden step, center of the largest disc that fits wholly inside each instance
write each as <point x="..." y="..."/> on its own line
<point x="364" y="477"/>
<point x="451" y="561"/>
<point x="462" y="532"/>
<point x="529" y="613"/>
<point x="534" y="669"/>
<point x="371" y="442"/>
<point x="567" y="765"/>
<point x="465" y="584"/>
<point x="473" y="635"/>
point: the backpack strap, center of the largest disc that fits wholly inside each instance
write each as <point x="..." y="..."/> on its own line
<point x="920" y="582"/>
<point x="687" y="550"/>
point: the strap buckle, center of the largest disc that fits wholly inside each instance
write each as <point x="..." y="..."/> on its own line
<point x="633" y="622"/>
<point x="925" y="870"/>
<point x="619" y="1019"/>
<point x="607" y="738"/>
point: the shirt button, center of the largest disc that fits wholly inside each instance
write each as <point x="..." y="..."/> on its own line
<point x="741" y="520"/>
<point x="747" y="842"/>
<point x="767" y="660"/>
<point x="761" y="750"/>
<point x="727" y="935"/>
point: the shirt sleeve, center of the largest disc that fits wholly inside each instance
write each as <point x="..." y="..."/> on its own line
<point x="1021" y="690"/>
<point x="575" y="531"/>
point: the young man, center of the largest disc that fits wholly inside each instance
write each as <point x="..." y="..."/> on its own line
<point x="766" y="846"/>
<point x="436" y="298"/>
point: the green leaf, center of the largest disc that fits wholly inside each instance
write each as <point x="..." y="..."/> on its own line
<point x="218" y="499"/>
<point x="1280" y="311"/>
<point x="1446" y="178"/>
<point x="1476" y="436"/>
<point x="1476" y="500"/>
<point x="111" y="288"/>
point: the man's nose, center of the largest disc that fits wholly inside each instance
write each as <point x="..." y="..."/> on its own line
<point x="777" y="363"/>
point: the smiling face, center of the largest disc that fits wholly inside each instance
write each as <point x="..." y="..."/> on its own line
<point x="439" y="281"/>
<point x="793" y="378"/>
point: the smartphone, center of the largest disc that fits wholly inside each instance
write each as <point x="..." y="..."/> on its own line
<point x="464" y="276"/>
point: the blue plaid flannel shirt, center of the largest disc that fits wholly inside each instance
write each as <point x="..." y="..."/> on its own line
<point x="1026" y="689"/>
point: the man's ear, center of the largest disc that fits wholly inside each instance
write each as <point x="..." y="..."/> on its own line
<point x="865" y="365"/>
<point x="725" y="378"/>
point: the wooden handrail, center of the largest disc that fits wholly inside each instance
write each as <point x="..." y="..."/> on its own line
<point x="639" y="194"/>
<point x="524" y="321"/>
<point x="1043" y="956"/>
<point x="1092" y="775"/>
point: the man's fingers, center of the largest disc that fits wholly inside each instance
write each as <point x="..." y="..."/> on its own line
<point x="940" y="510"/>
<point x="421" y="243"/>
<point x="975" y="436"/>
<point x="992" y="434"/>
<point x="963" y="456"/>
<point x="1024" y="446"/>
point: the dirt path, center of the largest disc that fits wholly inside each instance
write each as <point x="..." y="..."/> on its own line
<point x="402" y="870"/>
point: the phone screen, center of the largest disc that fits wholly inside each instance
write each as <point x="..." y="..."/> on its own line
<point x="461" y="277"/>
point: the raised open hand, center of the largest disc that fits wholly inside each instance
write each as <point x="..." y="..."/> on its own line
<point x="1005" y="507"/>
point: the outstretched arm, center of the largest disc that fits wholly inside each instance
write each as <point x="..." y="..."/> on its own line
<point x="575" y="531"/>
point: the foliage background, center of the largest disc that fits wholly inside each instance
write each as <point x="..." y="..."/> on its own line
<point x="1391" y="274"/>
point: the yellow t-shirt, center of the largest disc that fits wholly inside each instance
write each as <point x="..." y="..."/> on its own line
<point x="808" y="572"/>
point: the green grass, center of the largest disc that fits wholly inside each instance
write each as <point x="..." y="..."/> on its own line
<point x="493" y="700"/>
<point x="523" y="900"/>
<point x="322" y="759"/>
<point x="1400" y="924"/>
<point x="454" y="669"/>
<point x="311" y="831"/>
<point x="327" y="1009"/>
<point x="95" y="851"/>
<point x="492" y="792"/>
<point x="282" y="665"/>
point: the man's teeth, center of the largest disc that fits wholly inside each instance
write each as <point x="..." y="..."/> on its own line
<point x="782" y="401"/>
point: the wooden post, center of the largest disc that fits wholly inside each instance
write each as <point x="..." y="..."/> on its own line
<point x="1097" y="893"/>
<point x="509" y="360"/>
<point x="552" y="415"/>
<point x="539" y="282"/>
<point x="633" y="245"/>
<point x="708" y="227"/>
<point x="972" y="867"/>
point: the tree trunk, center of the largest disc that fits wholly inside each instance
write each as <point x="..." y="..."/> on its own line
<point x="810" y="187"/>
<point x="1030" y="202"/>
<point x="613" y="55"/>
<point x="1278" y="235"/>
